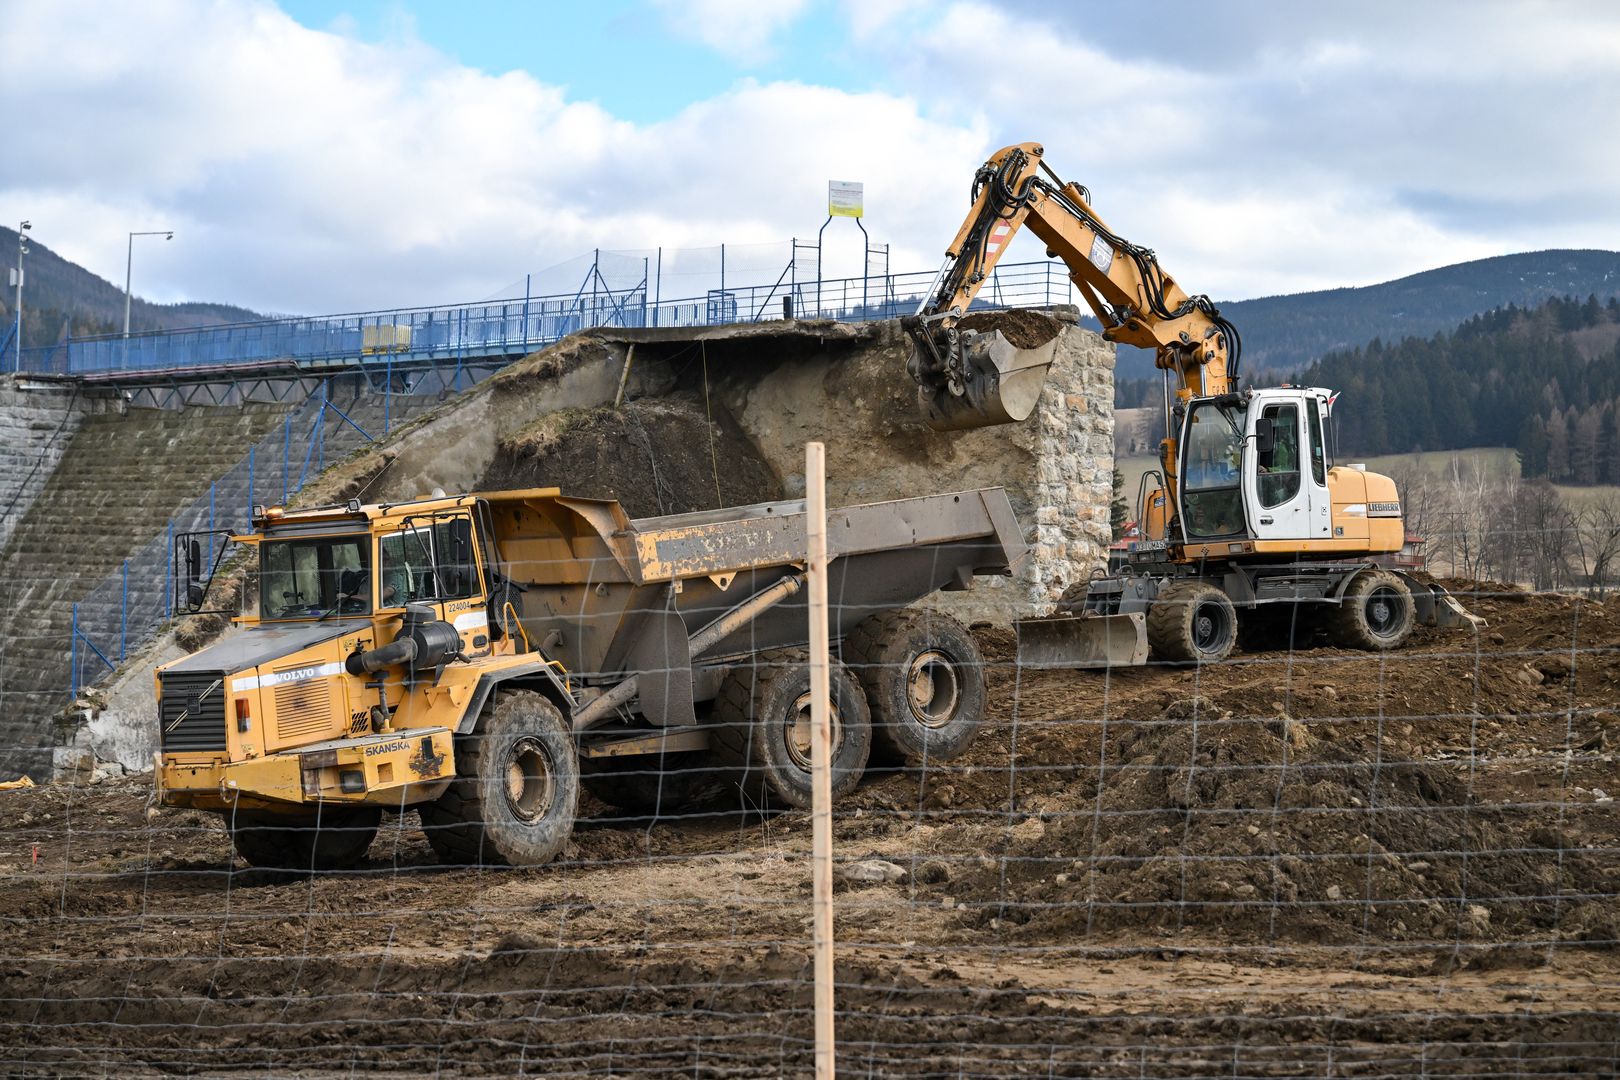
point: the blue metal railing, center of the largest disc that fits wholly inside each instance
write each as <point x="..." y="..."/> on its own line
<point x="511" y="327"/>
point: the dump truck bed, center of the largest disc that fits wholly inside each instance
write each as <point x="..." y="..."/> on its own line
<point x="604" y="592"/>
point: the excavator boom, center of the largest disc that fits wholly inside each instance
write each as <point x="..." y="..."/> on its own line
<point x="968" y="380"/>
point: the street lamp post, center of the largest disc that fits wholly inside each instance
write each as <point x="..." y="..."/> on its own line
<point x="22" y="249"/>
<point x="129" y="264"/>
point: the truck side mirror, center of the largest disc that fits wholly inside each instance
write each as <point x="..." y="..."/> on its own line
<point x="194" y="589"/>
<point x="1265" y="437"/>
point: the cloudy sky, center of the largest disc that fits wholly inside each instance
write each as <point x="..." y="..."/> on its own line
<point x="359" y="154"/>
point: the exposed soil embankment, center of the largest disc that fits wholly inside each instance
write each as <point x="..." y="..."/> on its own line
<point x="655" y="456"/>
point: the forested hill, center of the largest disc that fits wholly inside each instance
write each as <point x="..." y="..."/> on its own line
<point x="1287" y="332"/>
<point x="59" y="296"/>
<point x="1544" y="380"/>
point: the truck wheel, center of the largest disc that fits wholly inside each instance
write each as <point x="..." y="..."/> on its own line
<point x="646" y="787"/>
<point x="1192" y="622"/>
<point x="516" y="789"/>
<point x="762" y="729"/>
<point x="923" y="675"/>
<point x="1375" y="613"/>
<point x="332" y="838"/>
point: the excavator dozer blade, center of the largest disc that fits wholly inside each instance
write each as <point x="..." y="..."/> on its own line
<point x="1001" y="386"/>
<point x="1434" y="605"/>
<point x="1082" y="641"/>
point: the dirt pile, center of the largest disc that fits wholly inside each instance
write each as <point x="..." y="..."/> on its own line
<point x="1431" y="779"/>
<point x="1022" y="328"/>
<point x="1290" y="830"/>
<point x="656" y="456"/>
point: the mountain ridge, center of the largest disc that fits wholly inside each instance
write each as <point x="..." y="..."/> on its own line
<point x="61" y="297"/>
<point x="1288" y="331"/>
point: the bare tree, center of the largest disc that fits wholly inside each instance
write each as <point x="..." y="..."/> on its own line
<point x="1547" y="529"/>
<point x="1597" y="544"/>
<point x="1474" y="519"/>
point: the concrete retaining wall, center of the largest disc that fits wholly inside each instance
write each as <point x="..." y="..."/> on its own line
<point x="783" y="384"/>
<point x="36" y="424"/>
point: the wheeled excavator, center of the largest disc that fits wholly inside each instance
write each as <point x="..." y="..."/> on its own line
<point x="1248" y="528"/>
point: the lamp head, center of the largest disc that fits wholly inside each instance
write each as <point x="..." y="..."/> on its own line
<point x="27" y="225"/>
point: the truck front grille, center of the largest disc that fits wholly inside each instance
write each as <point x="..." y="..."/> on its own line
<point x="303" y="708"/>
<point x="192" y="713"/>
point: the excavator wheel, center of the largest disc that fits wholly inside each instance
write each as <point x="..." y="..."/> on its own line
<point x="762" y="730"/>
<point x="1376" y="613"/>
<point x="516" y="789"/>
<point x="331" y="838"/>
<point x="923" y="675"/>
<point x="1192" y="622"/>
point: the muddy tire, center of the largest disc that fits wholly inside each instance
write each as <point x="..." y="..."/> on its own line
<point x="516" y="789"/>
<point x="762" y="730"/>
<point x="1073" y="600"/>
<point x="923" y="676"/>
<point x="333" y="838"/>
<point x="1192" y="622"/>
<point x="1376" y="613"/>
<point x="645" y="787"/>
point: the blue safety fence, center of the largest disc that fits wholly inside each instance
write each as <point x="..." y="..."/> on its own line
<point x="130" y="603"/>
<point x="458" y="333"/>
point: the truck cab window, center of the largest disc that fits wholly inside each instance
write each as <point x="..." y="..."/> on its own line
<point x="1212" y="454"/>
<point x="1313" y="411"/>
<point x="314" y="577"/>
<point x="1279" y="470"/>
<point x="430" y="560"/>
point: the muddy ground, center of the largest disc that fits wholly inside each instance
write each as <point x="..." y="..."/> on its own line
<point x="1310" y="863"/>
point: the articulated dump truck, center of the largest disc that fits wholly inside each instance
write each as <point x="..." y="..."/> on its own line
<point x="482" y="657"/>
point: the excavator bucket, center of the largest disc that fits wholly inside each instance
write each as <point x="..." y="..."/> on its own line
<point x="999" y="384"/>
<point x="1082" y="641"/>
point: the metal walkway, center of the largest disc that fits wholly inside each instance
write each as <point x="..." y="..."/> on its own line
<point x="492" y="331"/>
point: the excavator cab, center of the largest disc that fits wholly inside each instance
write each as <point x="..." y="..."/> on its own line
<point x="1253" y="466"/>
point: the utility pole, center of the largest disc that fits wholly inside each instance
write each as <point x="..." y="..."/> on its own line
<point x="129" y="263"/>
<point x="17" y="280"/>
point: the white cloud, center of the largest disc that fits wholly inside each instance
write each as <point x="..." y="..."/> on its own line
<point x="740" y="29"/>
<point x="305" y="170"/>
<point x="1285" y="147"/>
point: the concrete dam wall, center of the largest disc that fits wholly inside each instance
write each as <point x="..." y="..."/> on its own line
<point x="714" y="416"/>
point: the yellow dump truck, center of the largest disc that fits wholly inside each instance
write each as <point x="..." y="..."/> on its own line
<point x="481" y="657"/>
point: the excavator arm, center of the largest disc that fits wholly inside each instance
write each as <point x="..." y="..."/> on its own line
<point x="970" y="380"/>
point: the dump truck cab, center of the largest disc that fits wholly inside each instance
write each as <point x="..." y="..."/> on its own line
<point x="484" y="657"/>
<point x="303" y="706"/>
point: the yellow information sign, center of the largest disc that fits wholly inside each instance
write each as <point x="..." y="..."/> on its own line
<point x="845" y="198"/>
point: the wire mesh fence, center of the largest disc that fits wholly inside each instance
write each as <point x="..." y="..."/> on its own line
<point x="1303" y="860"/>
